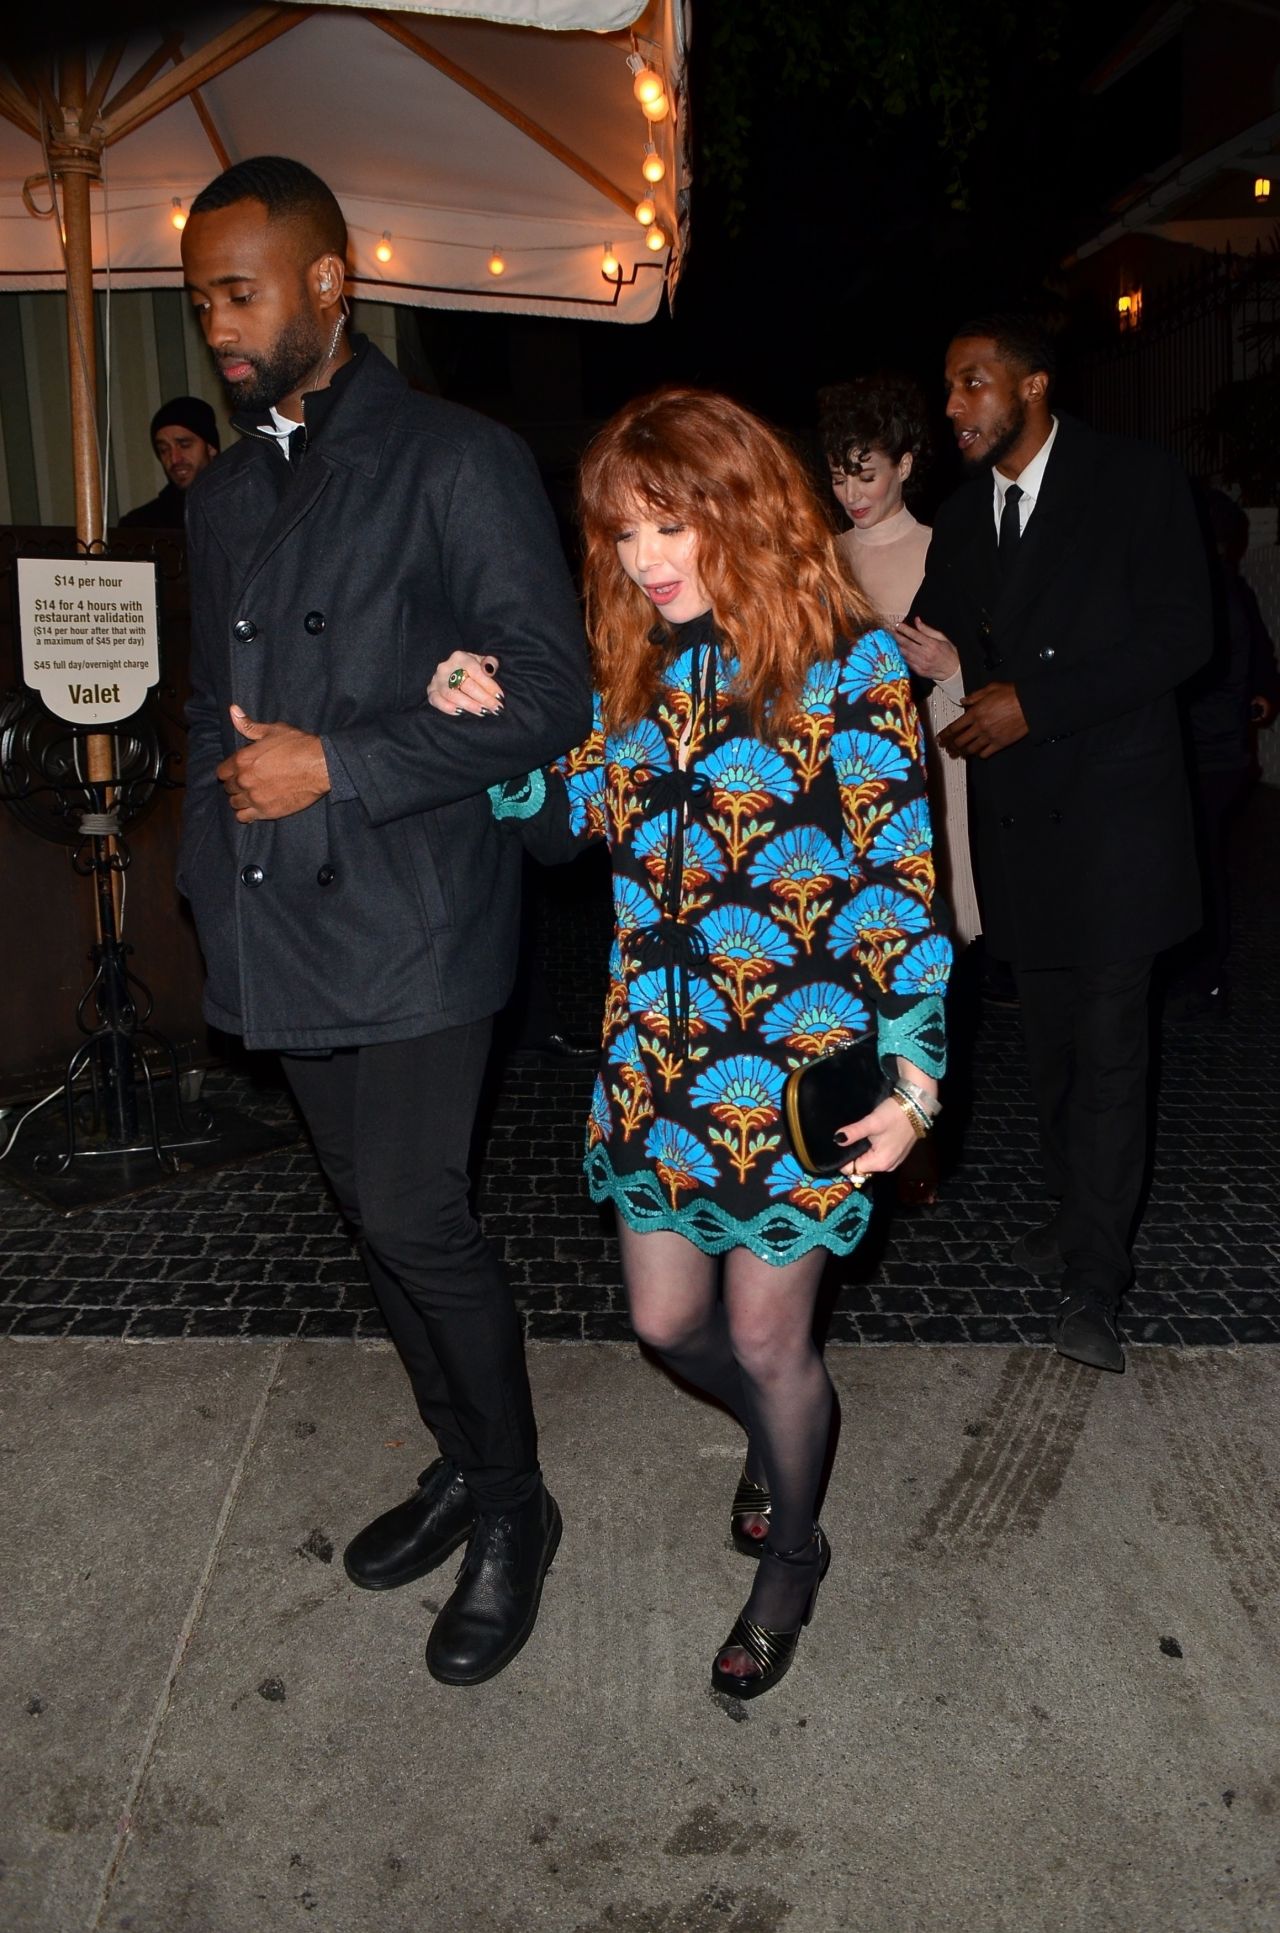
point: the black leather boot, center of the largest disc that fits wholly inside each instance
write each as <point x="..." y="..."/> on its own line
<point x="494" y="1605"/>
<point x="1037" y="1250"/>
<point x="1087" y="1333"/>
<point x="418" y="1534"/>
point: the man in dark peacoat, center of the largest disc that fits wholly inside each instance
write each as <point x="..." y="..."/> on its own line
<point x="1068" y="580"/>
<point x="356" y="903"/>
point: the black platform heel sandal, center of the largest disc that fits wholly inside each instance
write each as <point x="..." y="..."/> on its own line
<point x="750" y="1499"/>
<point x="773" y="1651"/>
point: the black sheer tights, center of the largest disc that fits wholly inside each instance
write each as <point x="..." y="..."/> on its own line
<point x="753" y="1350"/>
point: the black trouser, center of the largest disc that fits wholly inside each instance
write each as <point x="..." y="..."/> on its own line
<point x="1218" y="796"/>
<point x="392" y="1127"/>
<point x="1086" y="1031"/>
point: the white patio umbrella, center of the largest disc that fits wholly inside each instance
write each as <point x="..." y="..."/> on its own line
<point x="485" y="155"/>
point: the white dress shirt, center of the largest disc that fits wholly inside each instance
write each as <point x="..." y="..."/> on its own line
<point x="1029" y="481"/>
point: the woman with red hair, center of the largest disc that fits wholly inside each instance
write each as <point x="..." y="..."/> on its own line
<point x="755" y="769"/>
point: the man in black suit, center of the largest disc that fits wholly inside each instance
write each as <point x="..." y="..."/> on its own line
<point x="1068" y="582"/>
<point x="357" y="905"/>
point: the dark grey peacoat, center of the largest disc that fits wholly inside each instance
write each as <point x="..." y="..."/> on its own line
<point x="1082" y="830"/>
<point x="324" y="596"/>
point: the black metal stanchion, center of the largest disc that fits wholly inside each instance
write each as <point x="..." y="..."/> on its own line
<point x="114" y="1022"/>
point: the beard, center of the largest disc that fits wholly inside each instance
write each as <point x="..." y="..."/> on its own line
<point x="1003" y="437"/>
<point x="296" y="351"/>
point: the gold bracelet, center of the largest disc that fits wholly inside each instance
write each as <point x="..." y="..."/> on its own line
<point x="919" y="1121"/>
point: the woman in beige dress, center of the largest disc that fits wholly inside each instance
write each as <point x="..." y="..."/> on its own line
<point x="875" y="437"/>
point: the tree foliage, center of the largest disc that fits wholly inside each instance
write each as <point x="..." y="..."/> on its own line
<point x="881" y="61"/>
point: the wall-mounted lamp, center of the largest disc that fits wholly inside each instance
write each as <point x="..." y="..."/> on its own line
<point x="1129" y="308"/>
<point x="1262" y="189"/>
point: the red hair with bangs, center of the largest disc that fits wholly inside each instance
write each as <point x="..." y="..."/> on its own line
<point x="781" y="593"/>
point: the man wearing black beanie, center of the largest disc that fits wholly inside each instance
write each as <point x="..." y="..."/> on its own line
<point x="185" y="438"/>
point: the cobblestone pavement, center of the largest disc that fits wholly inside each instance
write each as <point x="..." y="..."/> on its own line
<point x="257" y="1250"/>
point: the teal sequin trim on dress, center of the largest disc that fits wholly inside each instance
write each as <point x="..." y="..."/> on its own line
<point x="919" y="1035"/>
<point x="519" y="798"/>
<point x="779" y="1234"/>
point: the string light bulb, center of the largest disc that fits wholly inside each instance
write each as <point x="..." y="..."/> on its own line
<point x="656" y="110"/>
<point x="179" y="215"/>
<point x="653" y="167"/>
<point x="610" y="266"/>
<point x="646" y="212"/>
<point x="496" y="264"/>
<point x="656" y="238"/>
<point x="383" y="250"/>
<point x="647" y="86"/>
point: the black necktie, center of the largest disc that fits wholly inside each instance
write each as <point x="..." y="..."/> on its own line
<point x="1010" y="526"/>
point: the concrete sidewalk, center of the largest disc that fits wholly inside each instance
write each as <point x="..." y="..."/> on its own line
<point x="1041" y="1689"/>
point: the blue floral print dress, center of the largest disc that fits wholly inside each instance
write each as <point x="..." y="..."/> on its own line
<point x="771" y="902"/>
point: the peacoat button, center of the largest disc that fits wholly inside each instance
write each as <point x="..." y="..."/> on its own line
<point x="326" y="876"/>
<point x="1006" y="822"/>
<point x="244" y="630"/>
<point x="252" y="875"/>
<point x="313" y="623"/>
<point x="1048" y="654"/>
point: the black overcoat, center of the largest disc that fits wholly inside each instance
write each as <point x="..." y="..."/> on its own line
<point x="1082" y="830"/>
<point x="324" y="595"/>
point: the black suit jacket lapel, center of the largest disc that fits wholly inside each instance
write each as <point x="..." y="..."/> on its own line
<point x="1055" y="528"/>
<point x="304" y="488"/>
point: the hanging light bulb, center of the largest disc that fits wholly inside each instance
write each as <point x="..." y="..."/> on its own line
<point x="647" y="86"/>
<point x="496" y="264"/>
<point x="656" y="110"/>
<point x="646" y="213"/>
<point x="383" y="250"/>
<point x="653" y="167"/>
<point x="656" y="238"/>
<point x="179" y="215"/>
<point x="610" y="266"/>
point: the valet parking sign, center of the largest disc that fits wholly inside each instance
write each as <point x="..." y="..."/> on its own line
<point x="89" y="635"/>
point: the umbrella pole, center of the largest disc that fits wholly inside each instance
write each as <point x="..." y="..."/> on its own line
<point x="75" y="156"/>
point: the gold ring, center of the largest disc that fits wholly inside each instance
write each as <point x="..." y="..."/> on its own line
<point x="455" y="678"/>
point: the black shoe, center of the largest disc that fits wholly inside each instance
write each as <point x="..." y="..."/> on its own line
<point x="418" y="1534"/>
<point x="750" y="1499"/>
<point x="1194" y="1007"/>
<point x="1087" y="1333"/>
<point x="494" y="1605"/>
<point x="773" y="1651"/>
<point x="1037" y="1249"/>
<point x="999" y="987"/>
<point x="565" y="1046"/>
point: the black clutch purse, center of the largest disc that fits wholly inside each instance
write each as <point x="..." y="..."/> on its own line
<point x="825" y="1095"/>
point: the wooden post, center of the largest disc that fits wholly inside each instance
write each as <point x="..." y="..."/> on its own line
<point x="75" y="155"/>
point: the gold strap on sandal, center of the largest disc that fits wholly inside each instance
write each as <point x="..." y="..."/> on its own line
<point x="751" y="1499"/>
<point x="768" y="1649"/>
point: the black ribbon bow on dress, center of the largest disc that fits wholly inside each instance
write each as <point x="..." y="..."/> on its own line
<point x="672" y="946"/>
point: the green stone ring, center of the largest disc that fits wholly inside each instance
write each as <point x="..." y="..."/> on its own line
<point x="455" y="678"/>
